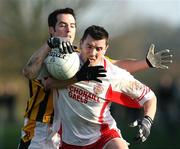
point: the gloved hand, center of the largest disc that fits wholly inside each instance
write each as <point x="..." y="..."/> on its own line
<point x="90" y="73"/>
<point x="159" y="59"/>
<point x="64" y="46"/>
<point x="144" y="126"/>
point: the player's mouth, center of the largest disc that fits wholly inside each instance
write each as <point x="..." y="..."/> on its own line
<point x="69" y="36"/>
<point x="92" y="60"/>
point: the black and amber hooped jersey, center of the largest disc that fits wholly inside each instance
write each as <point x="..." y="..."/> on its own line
<point x="40" y="104"/>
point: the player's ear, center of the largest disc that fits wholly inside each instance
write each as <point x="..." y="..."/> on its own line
<point x="107" y="46"/>
<point x="51" y="30"/>
<point x="80" y="44"/>
<point x="104" y="51"/>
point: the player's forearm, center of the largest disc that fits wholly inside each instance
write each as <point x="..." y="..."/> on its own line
<point x="131" y="65"/>
<point x="51" y="83"/>
<point x="150" y="107"/>
<point x="32" y="68"/>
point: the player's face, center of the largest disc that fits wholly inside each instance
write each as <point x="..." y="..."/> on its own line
<point x="93" y="49"/>
<point x="65" y="27"/>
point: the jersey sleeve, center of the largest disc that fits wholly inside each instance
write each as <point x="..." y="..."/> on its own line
<point x="130" y="88"/>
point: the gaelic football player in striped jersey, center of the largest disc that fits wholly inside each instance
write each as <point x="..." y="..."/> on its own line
<point x="39" y="112"/>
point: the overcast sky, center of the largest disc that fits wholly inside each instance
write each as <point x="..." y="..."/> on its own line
<point x="115" y="13"/>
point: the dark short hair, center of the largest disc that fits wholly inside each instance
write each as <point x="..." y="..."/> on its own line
<point x="96" y="32"/>
<point x="52" y="18"/>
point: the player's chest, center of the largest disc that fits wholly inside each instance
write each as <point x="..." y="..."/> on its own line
<point x="91" y="89"/>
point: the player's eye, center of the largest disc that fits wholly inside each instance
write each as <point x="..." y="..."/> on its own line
<point x="62" y="25"/>
<point x="98" y="49"/>
<point x="73" y="26"/>
<point x="89" y="46"/>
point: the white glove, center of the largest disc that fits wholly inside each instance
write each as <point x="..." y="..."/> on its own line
<point x="159" y="59"/>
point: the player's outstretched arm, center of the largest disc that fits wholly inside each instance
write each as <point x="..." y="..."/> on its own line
<point x="131" y="65"/>
<point x="159" y="59"/>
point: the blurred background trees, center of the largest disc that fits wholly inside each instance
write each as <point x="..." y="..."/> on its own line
<point x="23" y="29"/>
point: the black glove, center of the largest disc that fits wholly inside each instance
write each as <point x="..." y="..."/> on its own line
<point x="144" y="126"/>
<point x="53" y="42"/>
<point x="63" y="46"/>
<point x="90" y="73"/>
<point x="67" y="47"/>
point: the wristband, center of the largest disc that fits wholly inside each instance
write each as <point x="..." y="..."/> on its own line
<point x="150" y="119"/>
<point x="149" y="64"/>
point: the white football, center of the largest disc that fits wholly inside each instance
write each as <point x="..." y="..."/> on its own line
<point x="62" y="66"/>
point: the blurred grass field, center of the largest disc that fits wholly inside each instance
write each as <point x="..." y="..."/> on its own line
<point x="165" y="132"/>
<point x="9" y="135"/>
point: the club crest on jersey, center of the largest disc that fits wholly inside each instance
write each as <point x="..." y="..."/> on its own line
<point x="98" y="89"/>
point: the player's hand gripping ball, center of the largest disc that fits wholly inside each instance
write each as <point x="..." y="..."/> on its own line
<point x="62" y="66"/>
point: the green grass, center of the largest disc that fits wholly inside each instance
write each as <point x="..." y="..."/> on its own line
<point x="160" y="138"/>
<point x="9" y="135"/>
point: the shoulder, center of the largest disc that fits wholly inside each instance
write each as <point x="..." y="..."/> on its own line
<point x="110" y="65"/>
<point x="107" y="57"/>
<point x="77" y="49"/>
<point x="116" y="73"/>
<point x="110" y="59"/>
